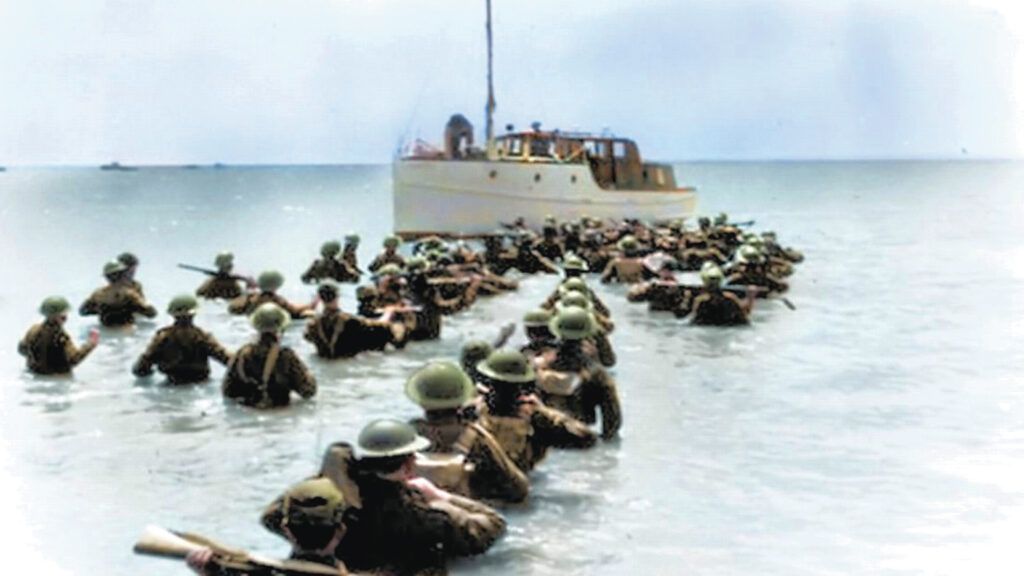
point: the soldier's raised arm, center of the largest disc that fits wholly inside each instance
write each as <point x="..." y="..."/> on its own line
<point x="144" y="365"/>
<point x="90" y="307"/>
<point x="560" y="430"/>
<point x="495" y="474"/>
<point x="302" y="380"/>
<point x="215" y="349"/>
<point x="610" y="272"/>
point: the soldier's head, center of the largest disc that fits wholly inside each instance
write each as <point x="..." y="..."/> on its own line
<point x="440" y="387"/>
<point x="351" y="241"/>
<point x="391" y="244"/>
<point x="328" y="293"/>
<point x="722" y="219"/>
<point x="473" y="352"/>
<point x="712" y="276"/>
<point x="574" y="267"/>
<point x="312" y="515"/>
<point x="507" y="374"/>
<point x="183" y="307"/>
<point x="535" y="322"/>
<point x="573" y="323"/>
<point x="388" y="448"/>
<point x="628" y="245"/>
<point x="130" y="261"/>
<point x="114" y="271"/>
<point x="748" y="254"/>
<point x="270" y="318"/>
<point x="270" y="281"/>
<point x="704" y="222"/>
<point x="675" y="226"/>
<point x="389" y="276"/>
<point x="366" y="294"/>
<point x="224" y="262"/>
<point x="330" y="249"/>
<point x="55" y="309"/>
<point x="573" y="299"/>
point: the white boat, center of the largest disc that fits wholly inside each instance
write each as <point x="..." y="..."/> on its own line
<point x="530" y="174"/>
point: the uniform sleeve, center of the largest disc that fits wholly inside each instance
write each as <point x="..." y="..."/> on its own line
<point x="504" y="479"/>
<point x="215" y="350"/>
<point x="377" y="263"/>
<point x="273" y="515"/>
<point x="144" y="365"/>
<point x="605" y="352"/>
<point x="473" y="527"/>
<point x="562" y="431"/>
<point x="23" y="344"/>
<point x="311" y="273"/>
<point x="141" y="306"/>
<point x="90" y="307"/>
<point x="238" y="305"/>
<point x="303" y="382"/>
<point x="610" y="272"/>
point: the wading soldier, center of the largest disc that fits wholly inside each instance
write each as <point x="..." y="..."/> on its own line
<point x="131" y="265"/>
<point x="469" y="461"/>
<point x="390" y="255"/>
<point x="263" y="374"/>
<point x="339" y="335"/>
<point x="223" y="284"/>
<point x="181" y="351"/>
<point x="117" y="303"/>
<point x="47" y="348"/>
<point x="716" y="307"/>
<point x="629" y="267"/>
<point x="269" y="282"/>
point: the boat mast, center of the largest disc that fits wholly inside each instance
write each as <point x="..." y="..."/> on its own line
<point x="491" y="150"/>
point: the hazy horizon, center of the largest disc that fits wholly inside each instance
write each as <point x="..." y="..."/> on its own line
<point x="315" y="82"/>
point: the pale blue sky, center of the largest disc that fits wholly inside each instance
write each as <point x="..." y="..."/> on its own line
<point x="325" y="81"/>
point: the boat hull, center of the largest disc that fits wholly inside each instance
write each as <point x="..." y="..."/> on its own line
<point x="472" y="197"/>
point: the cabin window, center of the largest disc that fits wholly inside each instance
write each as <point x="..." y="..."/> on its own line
<point x="515" y="147"/>
<point x="659" y="174"/>
<point x="620" y="149"/>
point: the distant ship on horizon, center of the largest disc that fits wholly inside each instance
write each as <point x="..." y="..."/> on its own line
<point x="118" y="167"/>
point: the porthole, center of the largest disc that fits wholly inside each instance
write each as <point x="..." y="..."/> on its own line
<point x="494" y="174"/>
<point x="572" y="179"/>
<point x="536" y="177"/>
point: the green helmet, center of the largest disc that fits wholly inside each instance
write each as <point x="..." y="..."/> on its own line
<point x="439" y="386"/>
<point x="575" y="299"/>
<point x="352" y="239"/>
<point x="416" y="263"/>
<point x="675" y="225"/>
<point x="573" y="323"/>
<point x="54" y="306"/>
<point x="392" y="242"/>
<point x="270" y="280"/>
<point x="722" y="219"/>
<point x="628" y="244"/>
<point x="707" y="265"/>
<point x="433" y="243"/>
<point x="389" y="270"/>
<point x="113" y="268"/>
<point x="507" y="366"/>
<point x="366" y="292"/>
<point x="330" y="248"/>
<point x="128" y="259"/>
<point x="183" y="305"/>
<point x="224" y="260"/>
<point x="328" y="291"/>
<point x="389" y="438"/>
<point x="536" y="318"/>
<point x="574" y="262"/>
<point x="270" y="317"/>
<point x="473" y="352"/>
<point x="316" y="502"/>
<point x="574" y="285"/>
<point x="704" y="222"/>
<point x="755" y="241"/>
<point x="712" y="276"/>
<point x="748" y="253"/>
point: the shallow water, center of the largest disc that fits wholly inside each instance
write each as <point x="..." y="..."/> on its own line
<point x="875" y="430"/>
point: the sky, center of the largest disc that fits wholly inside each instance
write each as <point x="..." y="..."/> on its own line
<point x="345" y="81"/>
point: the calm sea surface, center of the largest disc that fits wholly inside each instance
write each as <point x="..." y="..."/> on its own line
<point x="878" y="429"/>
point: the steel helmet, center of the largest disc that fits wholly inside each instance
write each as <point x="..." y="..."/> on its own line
<point x="389" y="438"/>
<point x="270" y="280"/>
<point x="573" y="323"/>
<point x="508" y="366"/>
<point x="183" y="305"/>
<point x="270" y="317"/>
<point x="439" y="386"/>
<point x="54" y="306"/>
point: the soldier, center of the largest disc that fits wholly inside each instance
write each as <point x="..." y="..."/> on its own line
<point x="390" y="255"/>
<point x="529" y="260"/>
<point x="577" y="285"/>
<point x="627" y="268"/>
<point x="369" y="301"/>
<point x="540" y="339"/>
<point x="47" y="348"/>
<point x="310" y="515"/>
<point x="550" y="245"/>
<point x="263" y="374"/>
<point x="324" y="267"/>
<point x="350" y="256"/>
<point x="663" y="294"/>
<point x="339" y="335"/>
<point x="715" y="307"/>
<point x="572" y="381"/>
<point x="224" y="284"/>
<point x="117" y="303"/>
<point x="131" y="265"/>
<point x="269" y="282"/>
<point x="181" y="351"/>
<point x="496" y="257"/>
<point x="406" y="524"/>
<point x="472" y="353"/>
<point x="471" y="461"/>
<point x="522" y="424"/>
<point x="751" y="268"/>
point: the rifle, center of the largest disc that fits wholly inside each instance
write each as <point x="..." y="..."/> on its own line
<point x="247" y="279"/>
<point x="157" y="541"/>
<point x="743" y="290"/>
<point x="742" y="224"/>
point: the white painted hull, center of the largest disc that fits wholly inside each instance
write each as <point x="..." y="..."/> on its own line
<point x="469" y="196"/>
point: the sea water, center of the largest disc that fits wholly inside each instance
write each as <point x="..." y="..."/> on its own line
<point x="876" y="429"/>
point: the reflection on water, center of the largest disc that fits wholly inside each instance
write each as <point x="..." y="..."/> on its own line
<point x="873" y="430"/>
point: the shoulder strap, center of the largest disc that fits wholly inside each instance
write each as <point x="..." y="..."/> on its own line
<point x="339" y="327"/>
<point x="271" y="363"/>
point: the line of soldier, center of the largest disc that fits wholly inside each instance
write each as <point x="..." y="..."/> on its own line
<point x="408" y="497"/>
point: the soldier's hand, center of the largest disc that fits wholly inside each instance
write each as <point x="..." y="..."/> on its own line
<point x="94" y="336"/>
<point x="198" y="560"/>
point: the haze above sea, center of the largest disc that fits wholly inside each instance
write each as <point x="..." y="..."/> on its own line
<point x="876" y="429"/>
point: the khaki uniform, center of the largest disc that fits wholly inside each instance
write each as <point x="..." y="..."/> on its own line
<point x="181" y="352"/>
<point x="718" y="308"/>
<point x="116" y="305"/>
<point x="384" y="258"/>
<point x="339" y="335"/>
<point x="329" y="268"/>
<point x="529" y="261"/>
<point x="264" y="374"/>
<point x="757" y="275"/>
<point x="595" y="389"/>
<point x="220" y="286"/>
<point x="527" y="436"/>
<point x="661" y="296"/>
<point x="493" y="474"/>
<point x="248" y="303"/>
<point x="48" y="349"/>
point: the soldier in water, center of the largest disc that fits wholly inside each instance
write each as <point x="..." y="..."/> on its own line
<point x="350" y="256"/>
<point x="474" y="463"/>
<point x="390" y="255"/>
<point x="181" y="351"/>
<point x="329" y="266"/>
<point x="47" y="348"/>
<point x="628" y="268"/>
<point x="131" y="265"/>
<point x="264" y="373"/>
<point x="223" y="284"/>
<point x="716" y="307"/>
<point x="269" y="282"/>
<point x="117" y="303"/>
<point x="339" y="335"/>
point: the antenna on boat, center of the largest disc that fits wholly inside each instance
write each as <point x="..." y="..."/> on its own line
<point x="491" y="151"/>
